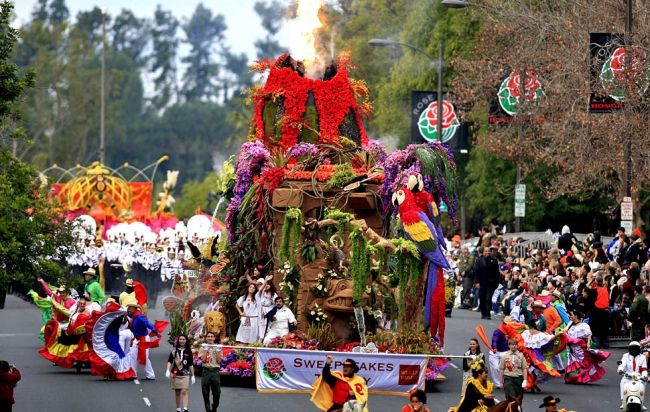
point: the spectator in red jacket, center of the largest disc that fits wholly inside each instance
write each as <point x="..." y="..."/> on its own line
<point x="9" y="377"/>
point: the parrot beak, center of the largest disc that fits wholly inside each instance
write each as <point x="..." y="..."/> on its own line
<point x="394" y="199"/>
<point x="412" y="182"/>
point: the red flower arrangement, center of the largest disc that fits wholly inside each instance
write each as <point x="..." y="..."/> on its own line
<point x="268" y="181"/>
<point x="334" y="99"/>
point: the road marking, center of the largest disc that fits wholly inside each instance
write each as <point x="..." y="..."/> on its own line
<point x="146" y="401"/>
<point x="136" y="381"/>
<point x="10" y="335"/>
<point x="453" y="366"/>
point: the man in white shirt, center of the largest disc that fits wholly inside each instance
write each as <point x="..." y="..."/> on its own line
<point x="632" y="362"/>
<point x="278" y="320"/>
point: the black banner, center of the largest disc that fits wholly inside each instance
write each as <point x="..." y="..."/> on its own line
<point x="424" y="121"/>
<point x="601" y="46"/>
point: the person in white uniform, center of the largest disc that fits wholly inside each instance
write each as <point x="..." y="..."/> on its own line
<point x="278" y="320"/>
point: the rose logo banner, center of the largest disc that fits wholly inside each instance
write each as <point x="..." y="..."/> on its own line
<point x="280" y="370"/>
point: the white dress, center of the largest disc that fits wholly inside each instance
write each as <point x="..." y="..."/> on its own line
<point x="248" y="331"/>
<point x="266" y="304"/>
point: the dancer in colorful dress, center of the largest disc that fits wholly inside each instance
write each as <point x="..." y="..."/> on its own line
<point x="68" y="347"/>
<point x="110" y="357"/>
<point x="477" y="396"/>
<point x="583" y="364"/>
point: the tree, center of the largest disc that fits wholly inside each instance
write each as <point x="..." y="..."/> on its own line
<point x="550" y="40"/>
<point x="31" y="233"/>
<point x="14" y="81"/>
<point x="203" y="31"/>
<point x="271" y="14"/>
<point x="163" y="58"/>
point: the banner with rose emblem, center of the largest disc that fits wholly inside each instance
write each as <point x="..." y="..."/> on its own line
<point x="424" y="118"/>
<point x="604" y="67"/>
<point x="282" y="370"/>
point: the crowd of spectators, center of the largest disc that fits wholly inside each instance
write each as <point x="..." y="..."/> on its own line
<point x="609" y="283"/>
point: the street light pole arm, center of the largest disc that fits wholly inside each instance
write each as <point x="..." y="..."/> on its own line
<point x="388" y="42"/>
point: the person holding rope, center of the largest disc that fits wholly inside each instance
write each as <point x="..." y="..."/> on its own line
<point x="333" y="390"/>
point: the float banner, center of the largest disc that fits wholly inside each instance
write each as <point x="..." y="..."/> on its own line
<point x="296" y="370"/>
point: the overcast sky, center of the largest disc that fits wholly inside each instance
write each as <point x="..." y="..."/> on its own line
<point x="243" y="23"/>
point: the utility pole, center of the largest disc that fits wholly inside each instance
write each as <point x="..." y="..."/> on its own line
<point x="520" y="134"/>
<point x="627" y="148"/>
<point x="102" y="104"/>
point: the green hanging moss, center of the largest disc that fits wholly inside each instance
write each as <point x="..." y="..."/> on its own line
<point x="401" y="272"/>
<point x="290" y="236"/>
<point x="343" y="218"/>
<point x="342" y="174"/>
<point x="359" y="265"/>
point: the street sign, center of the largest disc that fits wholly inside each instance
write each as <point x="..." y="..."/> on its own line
<point x="627" y="224"/>
<point x="627" y="211"/>
<point x="520" y="200"/>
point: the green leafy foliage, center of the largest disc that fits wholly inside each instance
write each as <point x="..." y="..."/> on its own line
<point x="342" y="174"/>
<point x="32" y="234"/>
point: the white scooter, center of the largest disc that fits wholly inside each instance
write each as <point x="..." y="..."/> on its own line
<point x="633" y="393"/>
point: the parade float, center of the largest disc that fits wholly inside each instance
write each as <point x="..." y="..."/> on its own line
<point x="111" y="196"/>
<point x="315" y="203"/>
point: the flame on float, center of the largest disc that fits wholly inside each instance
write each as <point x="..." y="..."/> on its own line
<point x="303" y="40"/>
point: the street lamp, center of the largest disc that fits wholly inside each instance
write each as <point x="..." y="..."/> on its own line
<point x="459" y="4"/>
<point x="439" y="63"/>
<point x="455" y="4"/>
<point x="102" y="108"/>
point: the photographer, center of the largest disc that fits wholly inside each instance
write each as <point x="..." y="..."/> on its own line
<point x="9" y="377"/>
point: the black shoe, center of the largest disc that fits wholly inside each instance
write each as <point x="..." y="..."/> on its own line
<point x="486" y="317"/>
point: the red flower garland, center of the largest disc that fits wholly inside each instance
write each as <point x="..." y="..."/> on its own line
<point x="334" y="100"/>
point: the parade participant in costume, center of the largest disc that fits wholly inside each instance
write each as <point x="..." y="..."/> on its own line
<point x="248" y="308"/>
<point x="110" y="357"/>
<point x="266" y="296"/>
<point x="180" y="368"/>
<point x="9" y="377"/>
<point x="498" y="349"/>
<point x="134" y="291"/>
<point x="542" y="348"/>
<point x="61" y="301"/>
<point x="514" y="371"/>
<point x="140" y="326"/>
<point x="550" y="404"/>
<point x="334" y="388"/>
<point x="211" y="356"/>
<point x="473" y="352"/>
<point x="67" y="347"/>
<point x="538" y="315"/>
<point x="417" y="402"/>
<point x="552" y="316"/>
<point x="279" y="318"/>
<point x="93" y="287"/>
<point x="633" y="362"/>
<point x="478" y="393"/>
<point x="583" y="364"/>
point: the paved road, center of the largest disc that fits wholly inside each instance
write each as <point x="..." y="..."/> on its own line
<point x="48" y="388"/>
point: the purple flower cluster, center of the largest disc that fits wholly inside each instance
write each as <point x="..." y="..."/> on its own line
<point x="304" y="149"/>
<point x="434" y="368"/>
<point x="230" y="362"/>
<point x="377" y="150"/>
<point x="402" y="163"/>
<point x="252" y="161"/>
